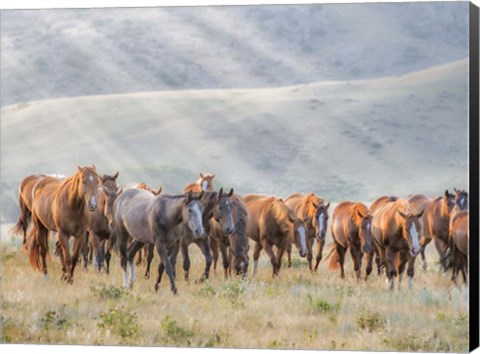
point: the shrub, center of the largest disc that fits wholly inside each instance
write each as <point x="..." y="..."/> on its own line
<point x="104" y="292"/>
<point x="175" y="332"/>
<point x="120" y="322"/>
<point x="53" y="319"/>
<point x="370" y="321"/>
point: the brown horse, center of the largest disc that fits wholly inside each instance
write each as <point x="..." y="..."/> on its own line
<point x="457" y="258"/>
<point x="461" y="199"/>
<point x="233" y="246"/>
<point x="64" y="207"/>
<point x="396" y="231"/>
<point x="99" y="228"/>
<point x="146" y="218"/>
<point x="25" y="205"/>
<point x="204" y="183"/>
<point x="375" y="252"/>
<point x="272" y="223"/>
<point x="313" y="211"/>
<point x="351" y="228"/>
<point x="435" y="222"/>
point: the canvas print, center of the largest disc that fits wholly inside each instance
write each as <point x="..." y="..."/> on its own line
<point x="258" y="176"/>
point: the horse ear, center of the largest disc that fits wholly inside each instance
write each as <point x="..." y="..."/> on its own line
<point x="402" y="214"/>
<point x="327" y="206"/>
<point x="359" y="213"/>
<point x="446" y="193"/>
<point x="230" y="193"/>
<point x="201" y="175"/>
<point x="94" y="168"/>
<point x="419" y="215"/>
<point x="455" y="190"/>
<point x="115" y="176"/>
<point x="189" y="196"/>
<point x="202" y="193"/>
<point x="315" y="205"/>
<point x="213" y="176"/>
<point x="79" y="168"/>
<point x="220" y="192"/>
<point x="158" y="191"/>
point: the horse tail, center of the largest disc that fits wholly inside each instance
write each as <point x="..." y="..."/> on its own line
<point x="34" y="249"/>
<point x="22" y="223"/>
<point x="335" y="258"/>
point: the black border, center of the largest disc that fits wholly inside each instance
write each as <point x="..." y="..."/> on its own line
<point x="474" y="179"/>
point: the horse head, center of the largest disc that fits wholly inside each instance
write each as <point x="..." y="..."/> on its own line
<point x="364" y="224"/>
<point x="411" y="230"/>
<point x="192" y="212"/>
<point x="448" y="203"/>
<point x="461" y="199"/>
<point x="320" y="221"/>
<point x="205" y="181"/>
<point x="223" y="211"/>
<point x="299" y="231"/>
<point x="88" y="186"/>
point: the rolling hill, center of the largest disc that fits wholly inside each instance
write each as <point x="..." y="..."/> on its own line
<point x="341" y="139"/>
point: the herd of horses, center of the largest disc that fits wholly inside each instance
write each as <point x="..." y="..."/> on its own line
<point x="134" y="219"/>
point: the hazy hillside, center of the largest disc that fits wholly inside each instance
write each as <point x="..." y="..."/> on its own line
<point x="342" y="140"/>
<point x="65" y="53"/>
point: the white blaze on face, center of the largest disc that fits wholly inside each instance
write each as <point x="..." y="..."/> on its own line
<point x="321" y="220"/>
<point x="303" y="243"/>
<point x="91" y="178"/>
<point x="197" y="217"/>
<point x="204" y="185"/>
<point x="462" y="203"/>
<point x="414" y="235"/>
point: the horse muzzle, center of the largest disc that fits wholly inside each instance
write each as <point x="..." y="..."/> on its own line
<point x="92" y="206"/>
<point x="415" y="251"/>
<point x="229" y="230"/>
<point x="303" y="254"/>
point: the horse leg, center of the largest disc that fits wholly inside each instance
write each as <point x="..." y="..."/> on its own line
<point x="122" y="239"/>
<point x="441" y="249"/>
<point x="402" y="261"/>
<point x="225" y="259"/>
<point x="63" y="239"/>
<point x="95" y="245"/>
<point x="108" y="255"/>
<point x="77" y="247"/>
<point x="133" y="248"/>
<point x="279" y="256"/>
<point x="268" y="247"/>
<point x="186" y="258"/>
<point x="318" y="258"/>
<point x="369" y="261"/>
<point x="357" y="260"/>
<point x="390" y="263"/>
<point x="424" y="241"/>
<point x="310" y="253"/>
<point x="205" y="249"/>
<point x="256" y="254"/>
<point x="289" y="254"/>
<point x="165" y="260"/>
<point x="150" y="249"/>
<point x="42" y="239"/>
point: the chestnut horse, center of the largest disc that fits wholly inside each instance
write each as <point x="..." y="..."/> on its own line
<point x="204" y="183"/>
<point x="396" y="230"/>
<point x="435" y="222"/>
<point x="25" y="205"/>
<point x="64" y="207"/>
<point x="313" y="211"/>
<point x="233" y="246"/>
<point x="375" y="252"/>
<point x="272" y="223"/>
<point x="457" y="258"/>
<point x="351" y="228"/>
<point x="146" y="218"/>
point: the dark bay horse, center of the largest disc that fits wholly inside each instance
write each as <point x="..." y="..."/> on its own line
<point x="218" y="209"/>
<point x="146" y="218"/>
<point x="272" y="223"/>
<point x="64" y="207"/>
<point x="25" y="205"/>
<point x="351" y="228"/>
<point x="314" y="212"/>
<point x="99" y="230"/>
<point x="461" y="199"/>
<point x="396" y="231"/>
<point x="457" y="257"/>
<point x="435" y="222"/>
<point x="233" y="246"/>
<point x="204" y="183"/>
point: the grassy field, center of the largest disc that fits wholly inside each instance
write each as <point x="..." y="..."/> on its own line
<point x="297" y="311"/>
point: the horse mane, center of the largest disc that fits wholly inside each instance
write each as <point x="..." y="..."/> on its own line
<point x="241" y="226"/>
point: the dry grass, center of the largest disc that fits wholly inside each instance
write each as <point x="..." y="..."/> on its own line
<point x="299" y="310"/>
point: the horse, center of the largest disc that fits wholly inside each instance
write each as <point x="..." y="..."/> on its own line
<point x="457" y="257"/>
<point x="313" y="211"/>
<point x="351" y="228"/>
<point x="375" y="252"/>
<point x="396" y="230"/>
<point x="64" y="207"/>
<point x="25" y="205"/>
<point x="204" y="183"/>
<point x="272" y="223"/>
<point x="218" y="210"/>
<point x="435" y="222"/>
<point x="146" y="218"/>
<point x="233" y="246"/>
<point x="99" y="228"/>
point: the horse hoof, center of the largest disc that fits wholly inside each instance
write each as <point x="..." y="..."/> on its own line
<point x="174" y="290"/>
<point x="45" y="277"/>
